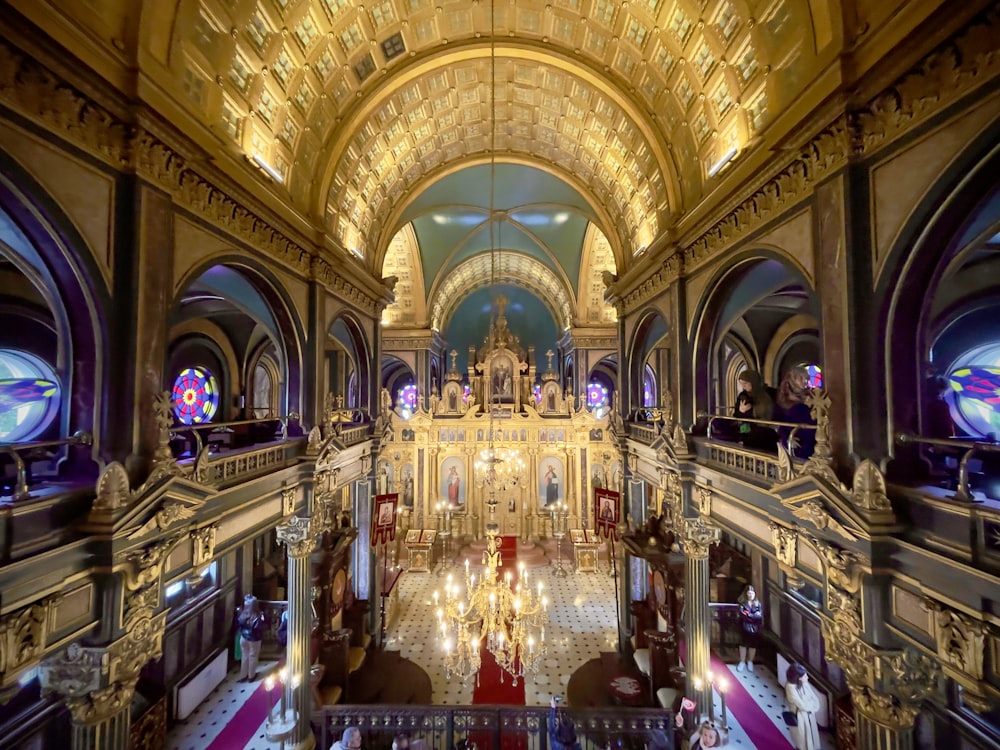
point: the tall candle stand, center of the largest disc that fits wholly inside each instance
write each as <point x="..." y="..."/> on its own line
<point x="721" y="685"/>
<point x="279" y="727"/>
<point x="444" y="510"/>
<point x="560" y="514"/>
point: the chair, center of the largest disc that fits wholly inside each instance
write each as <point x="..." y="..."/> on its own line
<point x="662" y="666"/>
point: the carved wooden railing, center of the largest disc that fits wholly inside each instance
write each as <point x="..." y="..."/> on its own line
<point x="224" y="428"/>
<point x="642" y="433"/>
<point x="486" y="726"/>
<point x="242" y="462"/>
<point x="20" y="490"/>
<point x="733" y="457"/>
<point x="963" y="492"/>
<point x="774" y="424"/>
<point x="354" y="435"/>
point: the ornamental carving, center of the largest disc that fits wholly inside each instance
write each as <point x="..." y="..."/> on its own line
<point x="163" y="415"/>
<point x="815" y="512"/>
<point x="203" y="545"/>
<point x="910" y="675"/>
<point x="842" y="633"/>
<point x="170" y="513"/>
<point x="868" y="489"/>
<point x="945" y="75"/>
<point x="113" y="489"/>
<point x="959" y="638"/>
<point x="22" y="636"/>
<point x="28" y="87"/>
<point x="143" y="567"/>
<point x="883" y="708"/>
<point x="786" y="472"/>
<point x="785" y="541"/>
<point x="673" y="500"/>
<point x="314" y="440"/>
<point x="102" y="704"/>
<point x="74" y="671"/>
<point x="698" y="536"/>
<point x="843" y="567"/>
<point x="298" y="535"/>
<point x="288" y="498"/>
<point x="703" y="500"/>
<point x="820" y="463"/>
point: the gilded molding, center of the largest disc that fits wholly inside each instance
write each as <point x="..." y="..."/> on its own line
<point x="203" y="541"/>
<point x="288" y="497"/>
<point x="814" y="511"/>
<point x="960" y="640"/>
<point x="942" y="77"/>
<point x="703" y="500"/>
<point x="785" y="541"/>
<point x="868" y="491"/>
<point x="820" y="463"/>
<point x="843" y="567"/>
<point x="28" y="87"/>
<point x="23" y="635"/>
<point x="884" y="709"/>
<point x="698" y="536"/>
<point x="102" y="704"/>
<point x="655" y="283"/>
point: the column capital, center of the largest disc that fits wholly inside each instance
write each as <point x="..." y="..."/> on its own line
<point x="698" y="536"/>
<point x="884" y="709"/>
<point x="102" y="704"/>
<point x="298" y="535"/>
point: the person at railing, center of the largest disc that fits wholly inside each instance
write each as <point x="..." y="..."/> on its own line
<point x="751" y="619"/>
<point x="562" y="731"/>
<point x="790" y="406"/>
<point x="351" y="740"/>
<point x="754" y="402"/>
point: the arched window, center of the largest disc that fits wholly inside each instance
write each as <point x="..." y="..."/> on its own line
<point x="196" y="396"/>
<point x="262" y="391"/>
<point x="536" y="391"/>
<point x="29" y="396"/>
<point x="974" y="391"/>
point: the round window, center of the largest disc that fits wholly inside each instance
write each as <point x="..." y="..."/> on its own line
<point x="29" y="396"/>
<point x="196" y="396"/>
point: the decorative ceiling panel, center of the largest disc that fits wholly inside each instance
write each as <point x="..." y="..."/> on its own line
<point x="317" y="77"/>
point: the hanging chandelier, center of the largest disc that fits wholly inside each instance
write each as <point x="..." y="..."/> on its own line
<point x="499" y="469"/>
<point x="505" y="614"/>
<point x="508" y="616"/>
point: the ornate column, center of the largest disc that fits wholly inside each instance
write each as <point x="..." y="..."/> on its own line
<point x="696" y="537"/>
<point x="299" y="536"/>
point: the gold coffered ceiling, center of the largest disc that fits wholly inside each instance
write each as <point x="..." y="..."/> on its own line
<point x="356" y="107"/>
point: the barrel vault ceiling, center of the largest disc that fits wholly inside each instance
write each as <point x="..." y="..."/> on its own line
<point x="355" y="113"/>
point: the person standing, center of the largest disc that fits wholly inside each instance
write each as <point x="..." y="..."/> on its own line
<point x="803" y="701"/>
<point x="751" y="620"/>
<point x="251" y="624"/>
<point x="708" y="735"/>
<point x="351" y="740"/>
<point x="562" y="731"/>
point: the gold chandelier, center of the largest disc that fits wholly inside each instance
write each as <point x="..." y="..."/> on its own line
<point x="499" y="469"/>
<point x="509" y="618"/>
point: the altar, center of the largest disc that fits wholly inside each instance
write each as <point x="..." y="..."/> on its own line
<point x="501" y="402"/>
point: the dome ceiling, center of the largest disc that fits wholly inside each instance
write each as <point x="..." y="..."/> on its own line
<point x="355" y="107"/>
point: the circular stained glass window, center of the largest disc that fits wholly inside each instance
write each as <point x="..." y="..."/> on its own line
<point x="196" y="396"/>
<point x="29" y="396"/>
<point x="597" y="396"/>
<point x="975" y="394"/>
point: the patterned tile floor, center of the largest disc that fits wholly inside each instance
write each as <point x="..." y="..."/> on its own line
<point x="581" y="626"/>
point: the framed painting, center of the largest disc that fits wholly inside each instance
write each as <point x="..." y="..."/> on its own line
<point x="550" y="483"/>
<point x="453" y="482"/>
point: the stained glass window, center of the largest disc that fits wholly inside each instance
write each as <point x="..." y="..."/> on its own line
<point x="815" y="375"/>
<point x="536" y="390"/>
<point x="648" y="388"/>
<point x="466" y="393"/>
<point x="196" y="396"/>
<point x="29" y="396"/>
<point x="597" y="396"/>
<point x="975" y="392"/>
<point x="408" y="398"/>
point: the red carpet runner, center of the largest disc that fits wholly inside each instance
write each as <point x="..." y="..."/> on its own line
<point x="489" y="689"/>
<point x="758" y="725"/>
<point x="242" y="726"/>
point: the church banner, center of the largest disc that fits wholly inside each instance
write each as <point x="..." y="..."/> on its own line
<point x="384" y="519"/>
<point x="607" y="512"/>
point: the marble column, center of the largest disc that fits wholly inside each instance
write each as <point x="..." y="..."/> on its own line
<point x="696" y="538"/>
<point x="298" y="536"/>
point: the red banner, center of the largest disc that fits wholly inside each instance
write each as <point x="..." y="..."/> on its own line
<point x="384" y="519"/>
<point x="607" y="512"/>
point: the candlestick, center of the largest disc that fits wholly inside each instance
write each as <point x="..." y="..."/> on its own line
<point x="269" y="686"/>
<point x="283" y="676"/>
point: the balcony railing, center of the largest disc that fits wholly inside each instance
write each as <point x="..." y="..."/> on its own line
<point x="22" y="478"/>
<point x="493" y="727"/>
<point x="967" y="450"/>
<point x="221" y="436"/>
